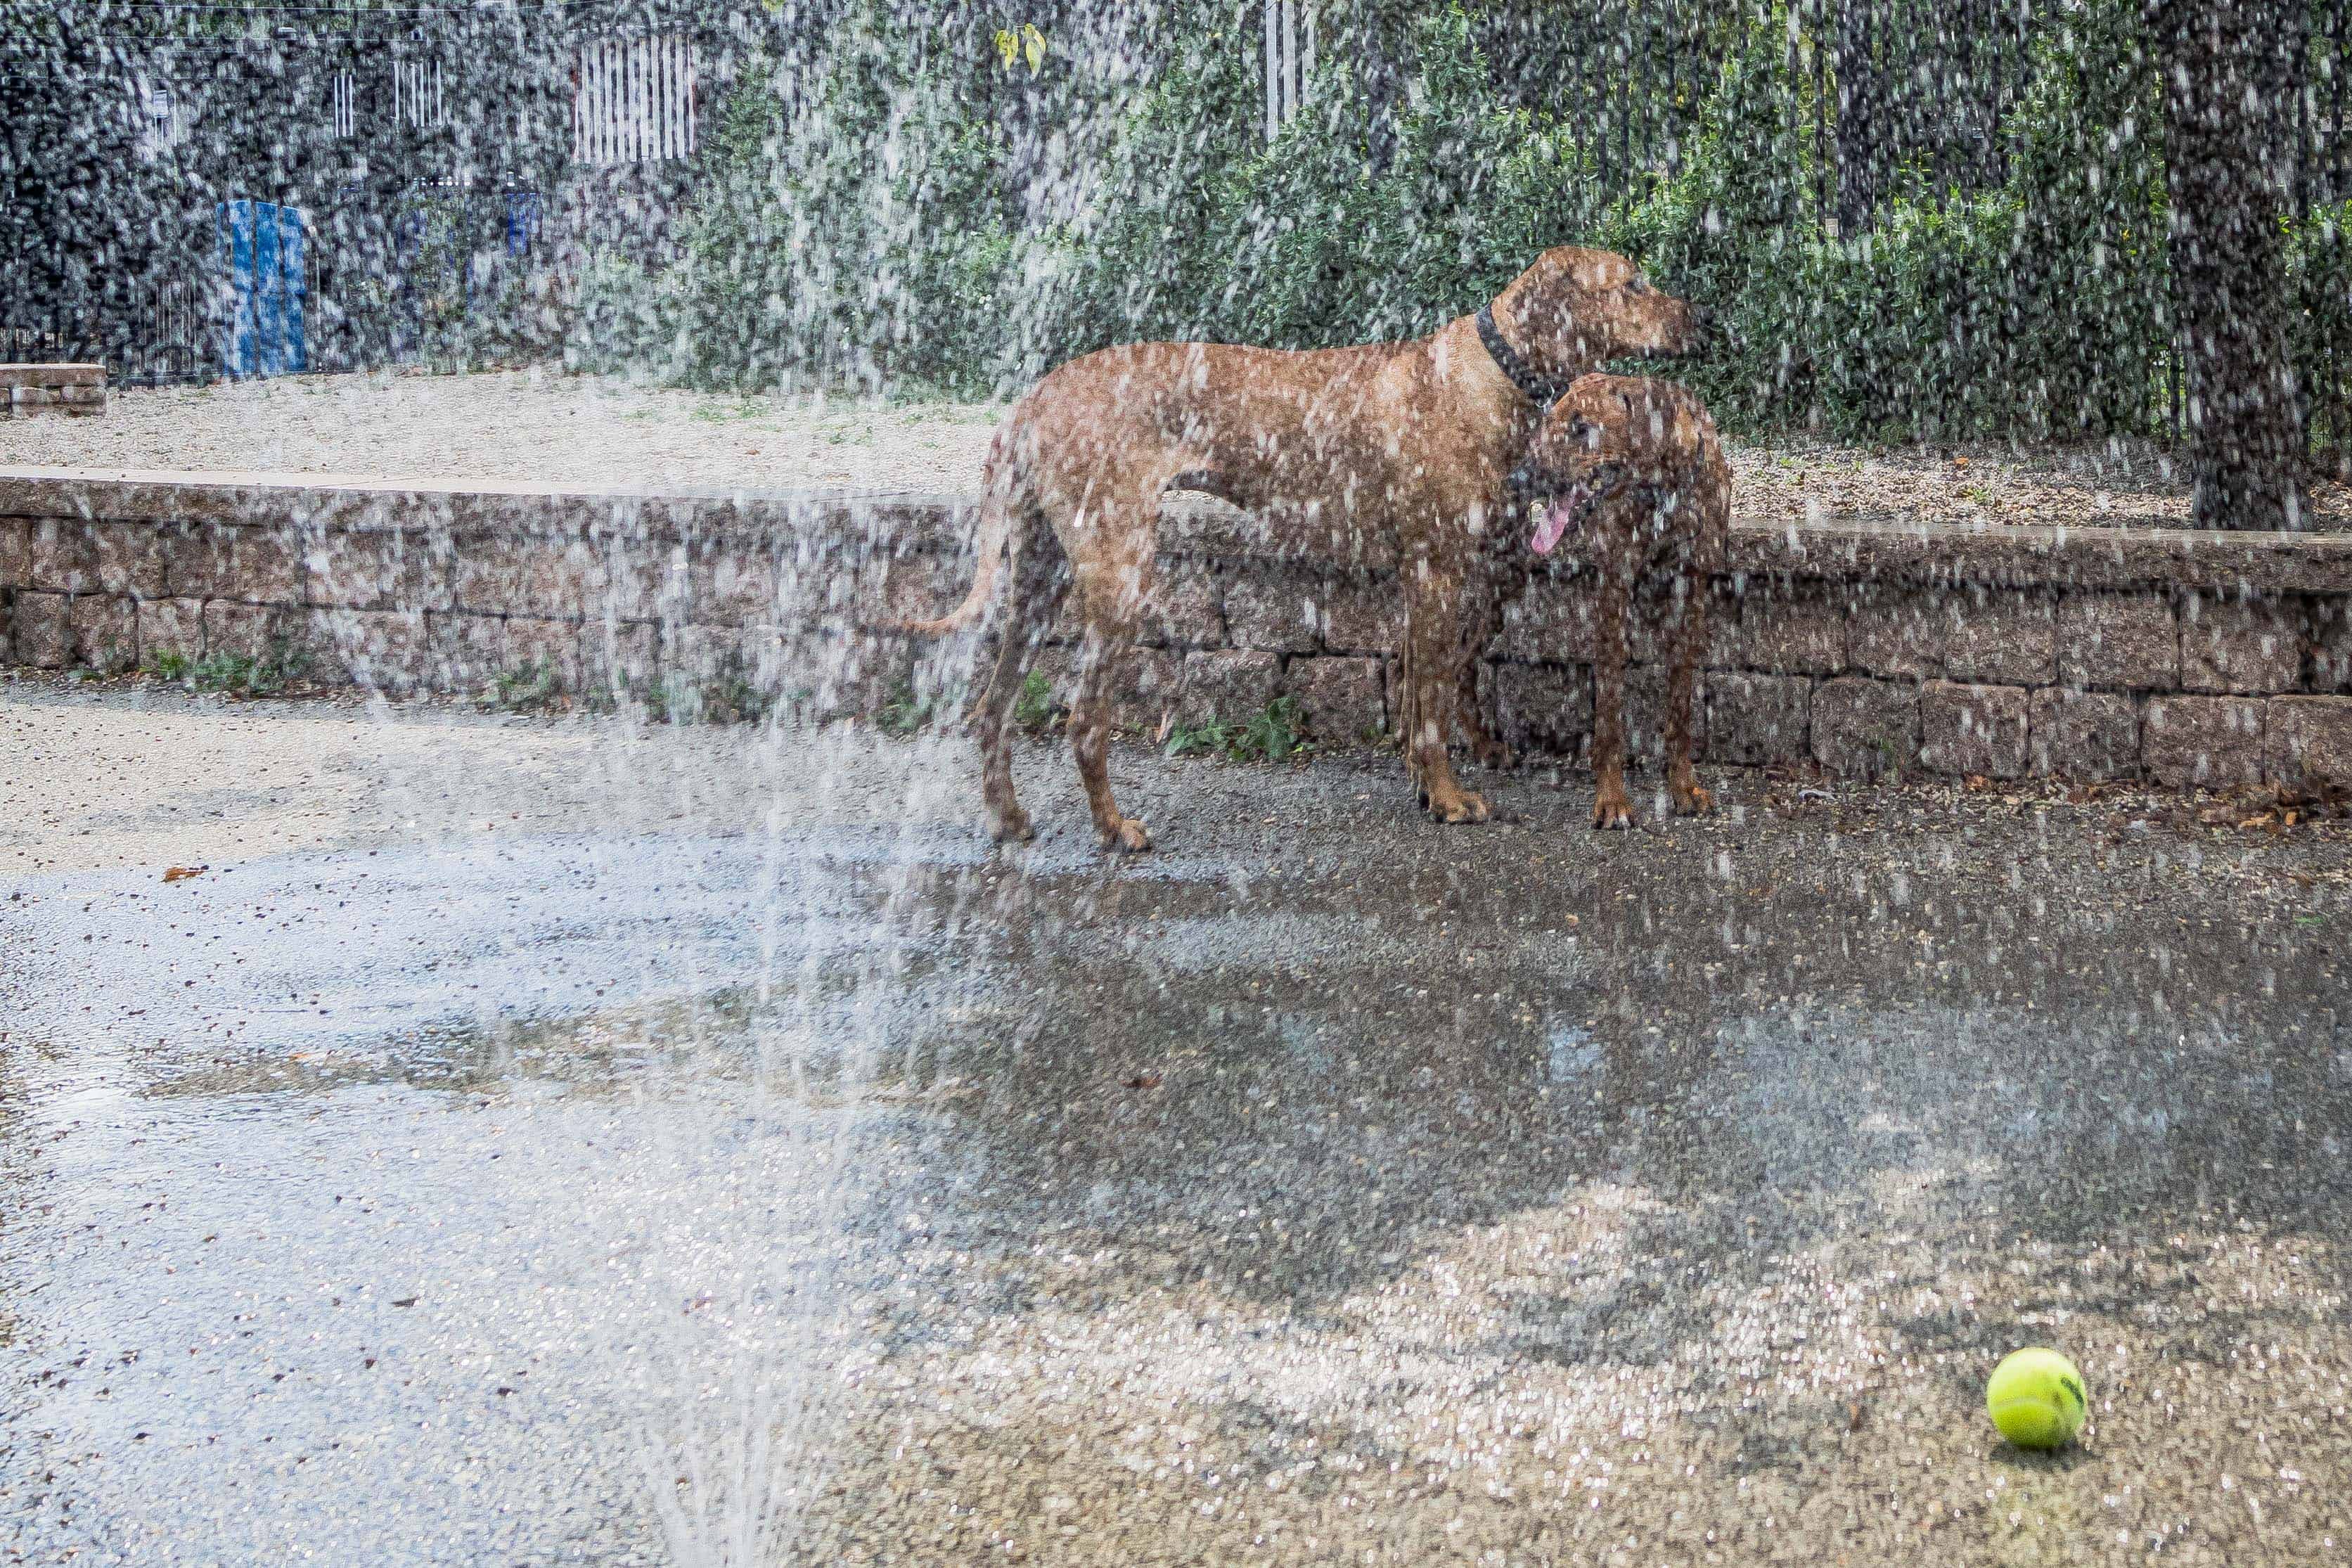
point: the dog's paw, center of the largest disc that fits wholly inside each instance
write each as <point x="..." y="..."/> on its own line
<point x="1011" y="828"/>
<point x="1690" y="800"/>
<point x="1461" y="806"/>
<point x="1127" y="838"/>
<point x="1612" y="812"/>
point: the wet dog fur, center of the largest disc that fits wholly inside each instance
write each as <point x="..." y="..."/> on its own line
<point x="1406" y="447"/>
<point x="1633" y="467"/>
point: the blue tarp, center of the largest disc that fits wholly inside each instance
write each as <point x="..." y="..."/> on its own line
<point x="262" y="249"/>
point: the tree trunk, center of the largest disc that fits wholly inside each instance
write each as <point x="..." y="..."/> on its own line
<point x="1375" y="37"/>
<point x="1860" y="121"/>
<point x="2230" y="77"/>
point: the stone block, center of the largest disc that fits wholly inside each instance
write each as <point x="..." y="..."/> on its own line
<point x="1185" y="610"/>
<point x="2010" y="637"/>
<point x="1363" y="616"/>
<point x="916" y="587"/>
<point x="1551" y="622"/>
<point x="379" y="569"/>
<point x="1230" y="685"/>
<point x="1972" y="729"/>
<point x="1900" y="634"/>
<point x="2240" y="645"/>
<point x="699" y="674"/>
<point x="532" y="644"/>
<point x="865" y="675"/>
<point x="2309" y="741"/>
<point x="16" y="553"/>
<point x="1276" y="609"/>
<point x="541" y="576"/>
<point x="377" y="650"/>
<point x="249" y="565"/>
<point x="1787" y="630"/>
<point x="170" y="626"/>
<point x="58" y="556"/>
<point x="2084" y="734"/>
<point x="42" y="630"/>
<point x="1144" y="687"/>
<point x="2214" y="741"/>
<point x="1756" y="721"/>
<point x="2125" y="642"/>
<point x="1340" y="699"/>
<point x="2330" y="620"/>
<point x="1542" y="706"/>
<point x="1865" y="728"/>
<point x="251" y="631"/>
<point x="645" y="579"/>
<point x="619" y="658"/>
<point x="463" y="651"/>
<point x="127" y="558"/>
<point x="1645" y="713"/>
<point x="105" y="628"/>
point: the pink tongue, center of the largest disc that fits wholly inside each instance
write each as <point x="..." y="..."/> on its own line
<point x="1554" y="525"/>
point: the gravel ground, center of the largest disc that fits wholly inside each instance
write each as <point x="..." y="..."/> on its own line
<point x="541" y="1141"/>
<point x="563" y="429"/>
<point x="525" y="425"/>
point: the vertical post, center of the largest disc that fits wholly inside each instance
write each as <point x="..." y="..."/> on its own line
<point x="1289" y="58"/>
<point x="1820" y="122"/>
<point x="1306" y="66"/>
<point x="1625" y="98"/>
<point x="1273" y="73"/>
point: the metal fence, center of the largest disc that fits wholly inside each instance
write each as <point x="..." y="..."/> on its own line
<point x="425" y="149"/>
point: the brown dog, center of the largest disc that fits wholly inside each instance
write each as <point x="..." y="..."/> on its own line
<point x="1340" y="452"/>
<point x="1635" y="463"/>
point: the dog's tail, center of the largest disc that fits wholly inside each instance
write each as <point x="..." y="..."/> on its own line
<point x="1003" y="496"/>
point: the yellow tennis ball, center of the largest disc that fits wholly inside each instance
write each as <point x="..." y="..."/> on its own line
<point x="2035" y="1396"/>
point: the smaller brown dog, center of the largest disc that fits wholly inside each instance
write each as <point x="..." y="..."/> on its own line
<point x="1635" y="464"/>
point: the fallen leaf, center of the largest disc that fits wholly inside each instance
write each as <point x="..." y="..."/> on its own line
<point x="182" y="873"/>
<point x="1976" y="781"/>
<point x="406" y="1301"/>
<point x="1144" y="1080"/>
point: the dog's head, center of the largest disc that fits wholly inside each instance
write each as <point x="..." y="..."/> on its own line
<point x="1575" y="310"/>
<point x="1609" y="437"/>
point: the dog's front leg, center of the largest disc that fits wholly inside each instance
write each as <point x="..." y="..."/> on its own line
<point x="1611" y="806"/>
<point x="1690" y="588"/>
<point x="1431" y="682"/>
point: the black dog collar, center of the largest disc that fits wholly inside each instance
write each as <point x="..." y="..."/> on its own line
<point x="1536" y="389"/>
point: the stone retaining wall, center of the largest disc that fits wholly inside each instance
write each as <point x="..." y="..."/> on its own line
<point x="28" y="389"/>
<point x="1865" y="646"/>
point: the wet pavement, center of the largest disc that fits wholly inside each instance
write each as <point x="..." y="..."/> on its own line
<point x="552" y="1142"/>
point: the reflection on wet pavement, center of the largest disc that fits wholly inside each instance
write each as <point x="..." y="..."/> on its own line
<point x="1359" y="1193"/>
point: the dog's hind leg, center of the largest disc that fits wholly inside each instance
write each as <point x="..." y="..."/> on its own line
<point x="1040" y="578"/>
<point x="1098" y="656"/>
<point x="1690" y="591"/>
<point x="1114" y="585"/>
